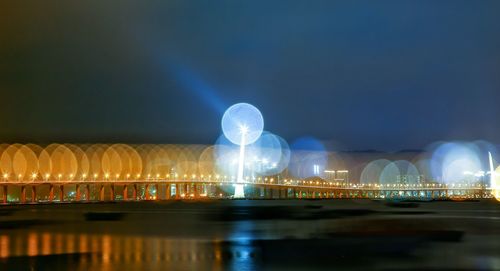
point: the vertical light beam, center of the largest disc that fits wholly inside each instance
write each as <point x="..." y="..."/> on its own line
<point x="239" y="192"/>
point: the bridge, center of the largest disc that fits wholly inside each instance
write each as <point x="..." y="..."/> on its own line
<point x="89" y="173"/>
<point x="13" y="192"/>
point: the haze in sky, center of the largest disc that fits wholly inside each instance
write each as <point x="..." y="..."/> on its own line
<point x="360" y="74"/>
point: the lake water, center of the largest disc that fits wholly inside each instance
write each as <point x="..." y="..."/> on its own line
<point x="251" y="235"/>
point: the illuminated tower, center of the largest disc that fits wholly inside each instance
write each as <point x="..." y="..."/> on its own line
<point x="242" y="124"/>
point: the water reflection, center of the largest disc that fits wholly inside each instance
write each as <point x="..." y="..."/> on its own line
<point x="242" y="250"/>
<point x="115" y="252"/>
<point x="255" y="236"/>
<point x="4" y="246"/>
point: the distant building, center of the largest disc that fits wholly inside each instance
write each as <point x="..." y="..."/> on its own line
<point x="337" y="176"/>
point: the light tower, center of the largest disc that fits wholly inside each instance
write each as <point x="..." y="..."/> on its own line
<point x="242" y="124"/>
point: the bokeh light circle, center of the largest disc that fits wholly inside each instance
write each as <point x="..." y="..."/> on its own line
<point x="308" y="158"/>
<point x="242" y="115"/>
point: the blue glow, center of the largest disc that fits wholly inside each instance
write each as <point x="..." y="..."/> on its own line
<point x="456" y="162"/>
<point x="242" y="118"/>
<point x="268" y="155"/>
<point x="308" y="158"/>
<point x="192" y="82"/>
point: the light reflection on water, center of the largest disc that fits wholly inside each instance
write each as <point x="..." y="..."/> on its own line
<point x="242" y="248"/>
<point x="113" y="252"/>
<point x="192" y="237"/>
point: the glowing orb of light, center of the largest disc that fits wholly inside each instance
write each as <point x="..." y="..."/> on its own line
<point x="389" y="174"/>
<point x="371" y="173"/>
<point x="226" y="156"/>
<point x="456" y="162"/>
<point x="308" y="158"/>
<point x="242" y="118"/>
<point x="268" y="155"/>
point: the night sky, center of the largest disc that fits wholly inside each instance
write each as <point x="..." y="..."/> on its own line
<point x="384" y="75"/>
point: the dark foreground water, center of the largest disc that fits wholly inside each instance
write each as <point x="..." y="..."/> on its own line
<point x="252" y="235"/>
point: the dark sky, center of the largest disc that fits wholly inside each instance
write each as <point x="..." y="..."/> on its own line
<point x="362" y="74"/>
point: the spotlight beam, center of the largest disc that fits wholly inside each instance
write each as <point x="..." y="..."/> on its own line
<point x="239" y="192"/>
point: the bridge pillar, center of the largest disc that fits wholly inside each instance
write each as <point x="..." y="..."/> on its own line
<point x="112" y="191"/>
<point x="134" y="192"/>
<point x="87" y="192"/>
<point x="260" y="192"/>
<point x="157" y="190"/>
<point x="101" y="192"/>
<point x="51" y="193"/>
<point x="33" y="193"/>
<point x="78" y="192"/>
<point x="268" y="192"/>
<point x="177" y="191"/>
<point x="195" y="191"/>
<point x="23" y="194"/>
<point x="186" y="190"/>
<point x="146" y="192"/>
<point x="213" y="189"/>
<point x="167" y="191"/>
<point x="125" y="192"/>
<point x="5" y="191"/>
<point x="61" y="195"/>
